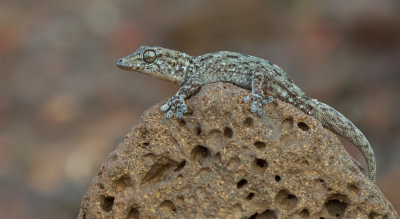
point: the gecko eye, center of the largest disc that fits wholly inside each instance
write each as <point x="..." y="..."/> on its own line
<point x="149" y="56"/>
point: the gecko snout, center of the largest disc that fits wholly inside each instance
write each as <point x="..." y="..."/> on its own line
<point x="120" y="63"/>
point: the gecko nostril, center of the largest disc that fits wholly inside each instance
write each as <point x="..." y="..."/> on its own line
<point x="119" y="61"/>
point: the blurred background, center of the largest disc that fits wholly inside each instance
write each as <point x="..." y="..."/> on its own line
<point x="64" y="105"/>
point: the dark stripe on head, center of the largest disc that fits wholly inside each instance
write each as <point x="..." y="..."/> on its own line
<point x="232" y="56"/>
<point x="206" y="58"/>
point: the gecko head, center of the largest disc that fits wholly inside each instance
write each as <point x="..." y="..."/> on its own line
<point x="162" y="63"/>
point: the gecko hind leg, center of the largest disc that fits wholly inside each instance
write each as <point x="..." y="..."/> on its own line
<point x="258" y="101"/>
<point x="257" y="94"/>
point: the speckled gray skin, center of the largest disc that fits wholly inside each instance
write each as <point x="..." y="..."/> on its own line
<point x="246" y="71"/>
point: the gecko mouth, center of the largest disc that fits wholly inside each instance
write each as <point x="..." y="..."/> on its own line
<point x="121" y="64"/>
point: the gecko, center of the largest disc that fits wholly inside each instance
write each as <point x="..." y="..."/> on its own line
<point x="246" y="71"/>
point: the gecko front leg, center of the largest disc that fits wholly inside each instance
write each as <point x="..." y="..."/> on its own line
<point x="177" y="102"/>
<point x="257" y="94"/>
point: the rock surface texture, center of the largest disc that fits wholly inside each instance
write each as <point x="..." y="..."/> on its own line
<point x="221" y="161"/>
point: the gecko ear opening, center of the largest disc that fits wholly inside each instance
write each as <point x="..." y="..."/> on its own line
<point x="149" y="56"/>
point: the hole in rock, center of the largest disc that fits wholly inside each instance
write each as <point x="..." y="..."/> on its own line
<point x="133" y="214"/>
<point x="182" y="122"/>
<point x="228" y="133"/>
<point x="168" y="207"/>
<point x="354" y="189"/>
<point x="259" y="145"/>
<point x="156" y="171"/>
<point x="372" y="215"/>
<point x="267" y="214"/>
<point x="303" y="126"/>
<point x="122" y="182"/>
<point x="218" y="157"/>
<point x="288" y="122"/>
<point x="254" y="216"/>
<point x="260" y="165"/>
<point x="180" y="166"/>
<point x="107" y="203"/>
<point x="250" y="196"/>
<point x="248" y="121"/>
<point x="101" y="171"/>
<point x="241" y="183"/>
<point x="161" y="166"/>
<point x="197" y="130"/>
<point x="277" y="178"/>
<point x="199" y="154"/>
<point x="180" y="199"/>
<point x="336" y="206"/>
<point x="286" y="200"/>
<point x="304" y="214"/>
<point x="149" y="158"/>
<point x="233" y="164"/>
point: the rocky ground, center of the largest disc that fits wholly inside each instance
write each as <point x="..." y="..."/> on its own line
<point x="221" y="161"/>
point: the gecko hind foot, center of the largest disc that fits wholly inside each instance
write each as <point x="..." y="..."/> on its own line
<point x="175" y="103"/>
<point x="258" y="101"/>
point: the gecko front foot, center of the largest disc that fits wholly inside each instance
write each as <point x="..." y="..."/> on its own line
<point x="258" y="101"/>
<point x="175" y="103"/>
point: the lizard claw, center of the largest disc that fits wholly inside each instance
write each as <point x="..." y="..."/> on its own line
<point x="247" y="99"/>
<point x="175" y="103"/>
<point x="164" y="107"/>
<point x="258" y="101"/>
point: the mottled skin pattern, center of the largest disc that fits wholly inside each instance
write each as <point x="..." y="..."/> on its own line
<point x="246" y="71"/>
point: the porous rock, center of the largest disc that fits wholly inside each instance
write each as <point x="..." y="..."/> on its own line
<point x="222" y="161"/>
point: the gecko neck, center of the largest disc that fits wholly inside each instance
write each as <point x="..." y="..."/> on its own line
<point x="174" y="66"/>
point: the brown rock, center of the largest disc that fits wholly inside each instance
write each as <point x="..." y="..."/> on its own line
<point x="221" y="161"/>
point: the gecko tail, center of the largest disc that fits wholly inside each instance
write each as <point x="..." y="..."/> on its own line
<point x="338" y="123"/>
